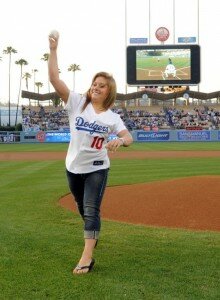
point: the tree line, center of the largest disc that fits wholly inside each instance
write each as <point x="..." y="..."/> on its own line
<point x="10" y="51"/>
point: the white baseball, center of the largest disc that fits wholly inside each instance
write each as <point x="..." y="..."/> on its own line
<point x="54" y="34"/>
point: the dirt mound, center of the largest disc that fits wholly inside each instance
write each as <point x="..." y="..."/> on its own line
<point x="191" y="203"/>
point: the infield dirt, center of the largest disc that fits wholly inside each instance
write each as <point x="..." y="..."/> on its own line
<point x="190" y="203"/>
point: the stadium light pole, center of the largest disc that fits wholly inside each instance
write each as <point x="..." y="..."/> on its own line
<point x="198" y="31"/>
<point x="198" y="20"/>
<point x="149" y="20"/>
<point x="126" y="37"/>
<point x="174" y="23"/>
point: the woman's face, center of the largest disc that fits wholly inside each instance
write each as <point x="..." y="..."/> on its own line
<point x="99" y="89"/>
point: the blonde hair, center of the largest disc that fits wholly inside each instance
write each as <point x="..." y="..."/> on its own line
<point x="110" y="99"/>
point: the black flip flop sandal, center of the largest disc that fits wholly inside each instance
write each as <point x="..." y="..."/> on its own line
<point x="89" y="267"/>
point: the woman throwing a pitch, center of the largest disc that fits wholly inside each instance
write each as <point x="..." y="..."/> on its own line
<point x="91" y="120"/>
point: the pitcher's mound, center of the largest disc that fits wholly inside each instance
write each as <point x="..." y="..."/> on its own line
<point x="192" y="203"/>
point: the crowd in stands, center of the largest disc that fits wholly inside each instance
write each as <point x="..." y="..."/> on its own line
<point x="44" y="119"/>
<point x="171" y="118"/>
<point x="50" y="118"/>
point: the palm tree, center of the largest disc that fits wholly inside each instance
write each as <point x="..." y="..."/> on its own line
<point x="73" y="68"/>
<point x="22" y="62"/>
<point x="56" y="100"/>
<point x="9" y="50"/>
<point x="34" y="71"/>
<point x="38" y="85"/>
<point x="27" y="76"/>
<point x="46" y="58"/>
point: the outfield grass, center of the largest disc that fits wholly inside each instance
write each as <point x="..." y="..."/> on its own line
<point x="40" y="241"/>
<point x="158" y="146"/>
<point x="152" y="62"/>
<point x="35" y="147"/>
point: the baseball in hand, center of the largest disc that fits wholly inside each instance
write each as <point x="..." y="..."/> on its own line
<point x="54" y="34"/>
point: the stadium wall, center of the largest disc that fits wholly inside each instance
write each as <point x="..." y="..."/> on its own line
<point x="138" y="136"/>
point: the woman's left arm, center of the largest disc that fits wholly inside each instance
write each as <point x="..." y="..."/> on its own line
<point x="124" y="139"/>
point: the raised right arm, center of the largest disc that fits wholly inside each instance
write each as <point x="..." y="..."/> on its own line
<point x="53" y="70"/>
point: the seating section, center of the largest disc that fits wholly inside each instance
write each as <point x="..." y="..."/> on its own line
<point x="200" y="117"/>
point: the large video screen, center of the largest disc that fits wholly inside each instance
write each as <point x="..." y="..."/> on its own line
<point x="163" y="65"/>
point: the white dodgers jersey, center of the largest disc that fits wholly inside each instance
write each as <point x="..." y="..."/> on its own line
<point x="89" y="134"/>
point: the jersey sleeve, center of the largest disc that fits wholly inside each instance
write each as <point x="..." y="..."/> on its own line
<point x="119" y="125"/>
<point x="73" y="102"/>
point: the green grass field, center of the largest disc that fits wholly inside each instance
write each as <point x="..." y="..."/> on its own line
<point x="40" y="241"/>
<point x="151" y="62"/>
<point x="153" y="67"/>
<point x="163" y="146"/>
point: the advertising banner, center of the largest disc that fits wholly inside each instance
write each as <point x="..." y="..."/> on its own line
<point x="143" y="136"/>
<point x="57" y="137"/>
<point x="194" y="135"/>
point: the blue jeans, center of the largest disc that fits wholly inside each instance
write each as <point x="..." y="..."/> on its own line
<point x="88" y="190"/>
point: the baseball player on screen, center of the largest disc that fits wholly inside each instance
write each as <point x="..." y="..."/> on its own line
<point x="170" y="69"/>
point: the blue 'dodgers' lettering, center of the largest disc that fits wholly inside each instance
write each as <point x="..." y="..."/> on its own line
<point x="92" y="127"/>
